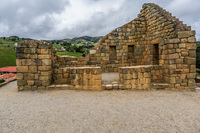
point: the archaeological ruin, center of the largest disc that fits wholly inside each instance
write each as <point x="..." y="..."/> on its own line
<point x="153" y="51"/>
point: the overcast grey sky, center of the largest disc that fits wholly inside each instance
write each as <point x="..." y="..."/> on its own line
<point x="59" y="19"/>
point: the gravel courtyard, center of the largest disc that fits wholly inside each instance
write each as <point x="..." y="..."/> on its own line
<point x="68" y="111"/>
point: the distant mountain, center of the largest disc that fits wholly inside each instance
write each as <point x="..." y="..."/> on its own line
<point x="79" y="40"/>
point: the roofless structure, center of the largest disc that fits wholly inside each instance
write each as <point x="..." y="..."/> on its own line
<point x="154" y="51"/>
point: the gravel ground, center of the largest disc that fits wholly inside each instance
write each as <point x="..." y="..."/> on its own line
<point x="68" y="111"/>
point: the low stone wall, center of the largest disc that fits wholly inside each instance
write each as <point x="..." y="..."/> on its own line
<point x="34" y="65"/>
<point x="87" y="78"/>
<point x="81" y="78"/>
<point x="139" y="77"/>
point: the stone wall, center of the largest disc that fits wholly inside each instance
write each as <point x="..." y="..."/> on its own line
<point x="34" y="65"/>
<point x="139" y="77"/>
<point x="179" y="60"/>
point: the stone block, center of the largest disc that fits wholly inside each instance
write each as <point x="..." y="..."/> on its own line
<point x="189" y="60"/>
<point x="21" y="82"/>
<point x="22" y="69"/>
<point x="46" y="62"/>
<point x="41" y="88"/>
<point x="30" y="82"/>
<point x="184" y="53"/>
<point x="182" y="45"/>
<point x="184" y="40"/>
<point x="33" y="44"/>
<point x="32" y="50"/>
<point x="33" y="69"/>
<point x="191" y="46"/>
<point x="27" y="50"/>
<point x="34" y="88"/>
<point x="148" y="80"/>
<point x="192" y="68"/>
<point x="29" y="76"/>
<point x="183" y="76"/>
<point x="174" y="56"/>
<point x="20" y="50"/>
<point x="46" y="83"/>
<point x="44" y="56"/>
<point x="44" y="51"/>
<point x="192" y="39"/>
<point x="20" y="56"/>
<point x="179" y="61"/>
<point x="20" y="76"/>
<point x="38" y="83"/>
<point x="44" y="68"/>
<point x="191" y="75"/>
<point x="176" y="40"/>
<point x="20" y="88"/>
<point x="36" y="76"/>
<point x="172" y="80"/>
<point x="191" y="82"/>
<point x="48" y="73"/>
<point x="192" y="53"/>
<point x="183" y="34"/>
<point x="27" y="87"/>
<point x="32" y="56"/>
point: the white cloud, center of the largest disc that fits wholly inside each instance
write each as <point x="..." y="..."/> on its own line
<point x="50" y="19"/>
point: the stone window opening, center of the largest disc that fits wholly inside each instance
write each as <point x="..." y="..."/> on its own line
<point x="131" y="49"/>
<point x="155" y="54"/>
<point x="113" y="55"/>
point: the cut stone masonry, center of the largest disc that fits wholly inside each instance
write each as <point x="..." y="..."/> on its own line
<point x="153" y="51"/>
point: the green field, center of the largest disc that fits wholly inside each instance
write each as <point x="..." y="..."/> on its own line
<point x="7" y="57"/>
<point x="76" y="54"/>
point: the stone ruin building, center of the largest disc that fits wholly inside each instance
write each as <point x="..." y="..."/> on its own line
<point x="153" y="51"/>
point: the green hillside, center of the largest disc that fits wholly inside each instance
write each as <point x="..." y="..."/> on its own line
<point x="74" y="46"/>
<point x="7" y="57"/>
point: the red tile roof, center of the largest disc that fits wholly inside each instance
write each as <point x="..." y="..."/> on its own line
<point x="8" y="77"/>
<point x="8" y="69"/>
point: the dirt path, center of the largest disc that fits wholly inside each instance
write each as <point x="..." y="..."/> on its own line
<point x="68" y="111"/>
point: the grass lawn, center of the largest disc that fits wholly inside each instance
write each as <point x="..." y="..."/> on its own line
<point x="7" y="57"/>
<point x="70" y="53"/>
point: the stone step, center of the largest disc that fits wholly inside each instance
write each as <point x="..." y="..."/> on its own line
<point x="113" y="86"/>
<point x="160" y="86"/>
<point x="60" y="87"/>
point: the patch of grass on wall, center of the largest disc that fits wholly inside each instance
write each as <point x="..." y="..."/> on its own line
<point x="76" y="54"/>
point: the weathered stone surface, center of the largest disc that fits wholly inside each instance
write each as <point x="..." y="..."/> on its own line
<point x="44" y="68"/>
<point x="174" y="56"/>
<point x="22" y="69"/>
<point x="189" y="60"/>
<point x="176" y="40"/>
<point x="30" y="82"/>
<point x="32" y="69"/>
<point x="20" y="76"/>
<point x="44" y="56"/>
<point x="192" y="39"/>
<point x="183" y="34"/>
<point x="46" y="62"/>
<point x="44" y="77"/>
<point x="21" y="82"/>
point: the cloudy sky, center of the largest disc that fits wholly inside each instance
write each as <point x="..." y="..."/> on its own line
<point x="59" y="19"/>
